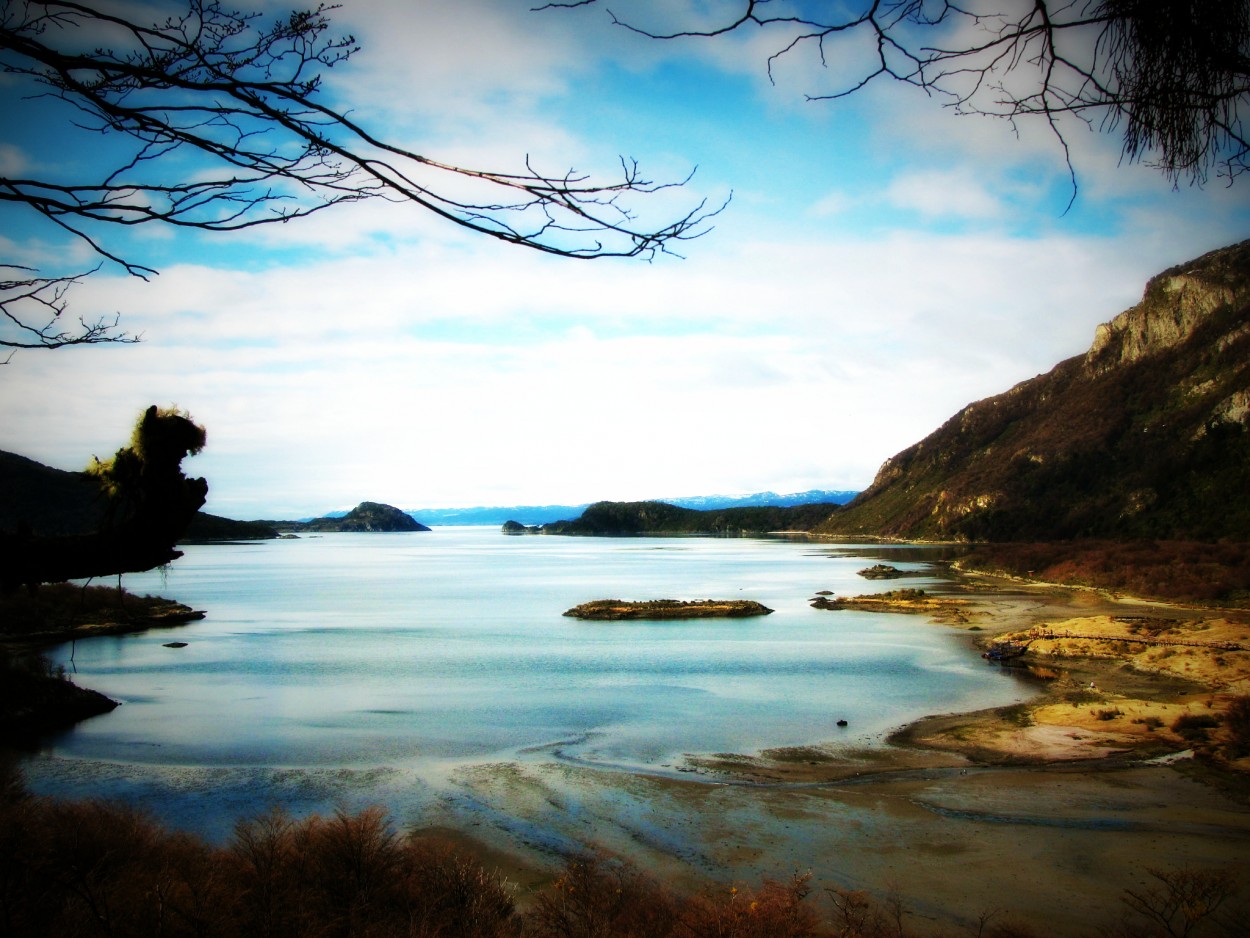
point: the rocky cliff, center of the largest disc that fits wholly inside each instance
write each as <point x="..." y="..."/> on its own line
<point x="1145" y="435"/>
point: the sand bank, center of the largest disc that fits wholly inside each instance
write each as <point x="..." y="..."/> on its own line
<point x="1042" y="813"/>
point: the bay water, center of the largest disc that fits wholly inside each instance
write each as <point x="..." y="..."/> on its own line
<point x="370" y="668"/>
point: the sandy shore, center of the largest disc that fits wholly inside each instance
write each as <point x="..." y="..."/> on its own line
<point x="1042" y="813"/>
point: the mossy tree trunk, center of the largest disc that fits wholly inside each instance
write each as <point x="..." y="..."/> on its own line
<point x="151" y="503"/>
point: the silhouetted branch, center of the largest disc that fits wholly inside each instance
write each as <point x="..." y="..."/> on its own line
<point x="213" y="83"/>
<point x="214" y="122"/>
<point x="32" y="311"/>
<point x="1175" y="75"/>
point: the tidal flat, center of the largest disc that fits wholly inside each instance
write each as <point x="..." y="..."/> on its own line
<point x="959" y="816"/>
<point x="704" y="757"/>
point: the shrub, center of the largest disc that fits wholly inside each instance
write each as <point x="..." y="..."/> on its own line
<point x="775" y="910"/>
<point x="1194" y="726"/>
<point x="1237" y="726"/>
<point x="1181" y="901"/>
<point x="453" y="894"/>
<point x="1181" y="571"/>
<point x="596" y="896"/>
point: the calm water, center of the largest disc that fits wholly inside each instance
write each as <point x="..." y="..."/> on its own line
<point x="387" y="661"/>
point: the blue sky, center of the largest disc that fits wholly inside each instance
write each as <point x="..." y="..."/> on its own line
<point x="882" y="263"/>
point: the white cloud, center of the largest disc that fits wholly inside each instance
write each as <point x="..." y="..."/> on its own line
<point x="944" y="194"/>
<point x="417" y="379"/>
<point x="373" y="352"/>
<point x="12" y="160"/>
<point x="831" y="204"/>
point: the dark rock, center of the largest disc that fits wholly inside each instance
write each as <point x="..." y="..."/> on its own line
<point x="883" y="571"/>
<point x="35" y="702"/>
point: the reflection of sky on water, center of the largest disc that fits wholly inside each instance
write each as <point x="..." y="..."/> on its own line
<point x="360" y="660"/>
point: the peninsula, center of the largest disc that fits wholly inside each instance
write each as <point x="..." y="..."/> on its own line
<point x="914" y="601"/>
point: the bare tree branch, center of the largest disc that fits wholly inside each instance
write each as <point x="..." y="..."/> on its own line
<point x="33" y="308"/>
<point x="1175" y="76"/>
<point x="213" y="121"/>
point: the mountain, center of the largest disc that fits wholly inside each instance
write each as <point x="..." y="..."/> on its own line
<point x="206" y="527"/>
<point x="625" y="519"/>
<point x="53" y="502"/>
<point x="762" y="500"/>
<point x="365" y="517"/>
<point x="545" y="514"/>
<point x="48" y="501"/>
<point x="495" y="515"/>
<point x="1146" y="435"/>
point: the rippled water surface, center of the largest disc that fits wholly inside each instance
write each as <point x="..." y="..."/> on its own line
<point x="402" y="656"/>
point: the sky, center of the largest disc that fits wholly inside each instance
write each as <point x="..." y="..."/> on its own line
<point x="882" y="263"/>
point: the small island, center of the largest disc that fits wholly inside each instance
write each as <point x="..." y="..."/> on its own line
<point x="618" y="609"/>
<point x="367" y="517"/>
<point x="884" y="571"/>
<point x="914" y="601"/>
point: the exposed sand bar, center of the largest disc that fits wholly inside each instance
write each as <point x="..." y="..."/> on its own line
<point x="1047" y="820"/>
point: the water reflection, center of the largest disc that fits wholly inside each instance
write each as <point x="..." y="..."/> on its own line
<point x="357" y="660"/>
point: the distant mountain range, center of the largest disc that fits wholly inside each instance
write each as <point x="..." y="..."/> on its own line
<point x="546" y="514"/>
<point x="631" y="519"/>
<point x="53" y="502"/>
<point x="1146" y="435"/>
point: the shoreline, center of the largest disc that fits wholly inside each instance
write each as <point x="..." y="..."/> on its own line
<point x="943" y="810"/>
<point x="38" y="700"/>
<point x="981" y="607"/>
<point x="959" y="815"/>
<point x="173" y="615"/>
<point x="978" y="607"/>
<point x="64" y="612"/>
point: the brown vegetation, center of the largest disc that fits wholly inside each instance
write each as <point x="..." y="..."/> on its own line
<point x="95" y="868"/>
<point x="1175" y="571"/>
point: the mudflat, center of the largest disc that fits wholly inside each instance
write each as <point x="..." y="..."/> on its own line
<point x="1043" y="813"/>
